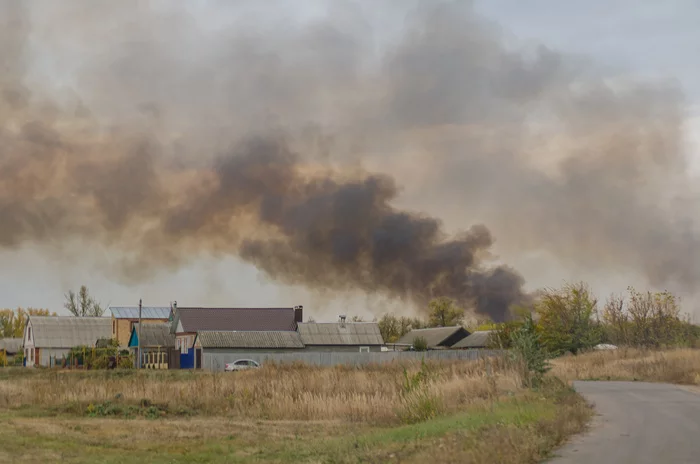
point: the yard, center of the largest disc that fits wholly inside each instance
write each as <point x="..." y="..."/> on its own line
<point x="452" y="412"/>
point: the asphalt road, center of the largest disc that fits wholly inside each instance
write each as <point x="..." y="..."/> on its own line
<point x="637" y="422"/>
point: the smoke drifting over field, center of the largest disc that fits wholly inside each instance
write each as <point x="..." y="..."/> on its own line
<point x="170" y="131"/>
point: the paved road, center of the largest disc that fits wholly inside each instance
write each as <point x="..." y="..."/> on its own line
<point x="638" y="423"/>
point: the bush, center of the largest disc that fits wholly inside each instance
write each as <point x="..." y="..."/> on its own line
<point x="125" y="363"/>
<point x="420" y="344"/>
<point x="530" y="353"/>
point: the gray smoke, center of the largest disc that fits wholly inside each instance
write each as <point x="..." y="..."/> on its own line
<point x="165" y="131"/>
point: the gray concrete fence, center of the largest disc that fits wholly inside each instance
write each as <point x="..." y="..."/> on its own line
<point x="217" y="361"/>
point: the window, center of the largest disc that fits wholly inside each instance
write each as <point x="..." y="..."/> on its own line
<point x="29" y="333"/>
<point x="31" y="354"/>
<point x="364" y="349"/>
<point x="114" y="327"/>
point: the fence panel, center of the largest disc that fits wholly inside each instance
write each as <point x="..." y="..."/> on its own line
<point x="217" y="361"/>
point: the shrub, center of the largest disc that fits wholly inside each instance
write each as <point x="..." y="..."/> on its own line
<point x="125" y="363"/>
<point x="420" y="344"/>
<point x="530" y="353"/>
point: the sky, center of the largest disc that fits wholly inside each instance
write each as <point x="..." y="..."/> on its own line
<point x="642" y="38"/>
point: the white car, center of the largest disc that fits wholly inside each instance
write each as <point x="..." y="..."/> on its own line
<point x="241" y="365"/>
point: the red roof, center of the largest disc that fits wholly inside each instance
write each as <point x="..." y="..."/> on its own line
<point x="222" y="319"/>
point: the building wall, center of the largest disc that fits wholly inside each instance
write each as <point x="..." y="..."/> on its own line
<point x="216" y="360"/>
<point x="123" y="328"/>
<point x="340" y="348"/>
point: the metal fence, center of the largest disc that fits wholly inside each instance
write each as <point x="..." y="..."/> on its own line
<point x="217" y="361"/>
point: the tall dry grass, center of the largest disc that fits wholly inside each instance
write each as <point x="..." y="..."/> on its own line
<point x="680" y="366"/>
<point x="377" y="394"/>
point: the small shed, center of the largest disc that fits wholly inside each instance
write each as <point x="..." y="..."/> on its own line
<point x="47" y="338"/>
<point x="436" y="337"/>
<point x="478" y="339"/>
<point x="364" y="337"/>
<point x="157" y="343"/>
<point x="220" y="347"/>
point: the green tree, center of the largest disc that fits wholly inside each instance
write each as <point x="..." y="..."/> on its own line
<point x="568" y="319"/>
<point x="392" y="327"/>
<point x="444" y="313"/>
<point x="82" y="304"/>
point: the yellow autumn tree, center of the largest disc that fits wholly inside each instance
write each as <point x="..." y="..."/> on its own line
<point x="13" y="321"/>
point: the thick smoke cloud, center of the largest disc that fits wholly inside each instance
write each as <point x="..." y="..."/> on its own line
<point x="165" y="131"/>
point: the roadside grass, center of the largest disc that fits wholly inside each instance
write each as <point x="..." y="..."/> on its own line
<point x="519" y="428"/>
<point x="678" y="366"/>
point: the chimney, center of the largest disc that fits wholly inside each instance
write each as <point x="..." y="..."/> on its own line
<point x="342" y="320"/>
<point x="298" y="314"/>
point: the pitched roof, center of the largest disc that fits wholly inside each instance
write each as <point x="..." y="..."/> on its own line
<point x="241" y="319"/>
<point x="478" y="339"/>
<point x="249" y="339"/>
<point x="147" y="312"/>
<point x="436" y="336"/>
<point x="335" y="333"/>
<point x="69" y="331"/>
<point x="11" y="345"/>
<point x="157" y="334"/>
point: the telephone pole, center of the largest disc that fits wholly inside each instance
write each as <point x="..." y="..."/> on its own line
<point x="138" y="338"/>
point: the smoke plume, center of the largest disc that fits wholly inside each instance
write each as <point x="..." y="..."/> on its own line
<point x="166" y="131"/>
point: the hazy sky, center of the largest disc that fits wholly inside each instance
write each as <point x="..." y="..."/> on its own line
<point x="637" y="37"/>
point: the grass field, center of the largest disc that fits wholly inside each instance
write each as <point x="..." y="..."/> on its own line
<point x="679" y="366"/>
<point x="454" y="412"/>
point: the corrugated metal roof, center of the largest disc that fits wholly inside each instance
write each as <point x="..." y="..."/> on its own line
<point x="67" y="332"/>
<point x="335" y="333"/>
<point x="433" y="336"/>
<point x="478" y="339"/>
<point x="249" y="339"/>
<point x="11" y="345"/>
<point x="246" y="319"/>
<point x="147" y="312"/>
<point x="154" y="335"/>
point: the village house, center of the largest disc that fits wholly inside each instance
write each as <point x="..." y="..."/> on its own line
<point x="476" y="340"/>
<point x="436" y="338"/>
<point x="157" y="344"/>
<point x="188" y="322"/>
<point x="50" y="338"/>
<point x="124" y="318"/>
<point x="363" y="337"/>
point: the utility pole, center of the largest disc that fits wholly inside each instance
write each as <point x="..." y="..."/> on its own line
<point x="138" y="338"/>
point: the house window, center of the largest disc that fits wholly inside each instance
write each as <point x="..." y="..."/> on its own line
<point x="364" y="349"/>
<point x="114" y="327"/>
<point x="29" y="333"/>
<point x="31" y="355"/>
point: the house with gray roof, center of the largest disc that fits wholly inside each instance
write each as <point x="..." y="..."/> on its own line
<point x="436" y="337"/>
<point x="124" y="318"/>
<point x="48" y="338"/>
<point x="476" y="340"/>
<point x="341" y="336"/>
<point x="188" y="322"/>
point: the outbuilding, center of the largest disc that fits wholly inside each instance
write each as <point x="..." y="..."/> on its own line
<point x="157" y="344"/>
<point x="476" y="340"/>
<point x="363" y="337"/>
<point x="218" y="348"/>
<point x="125" y="317"/>
<point x="435" y="338"/>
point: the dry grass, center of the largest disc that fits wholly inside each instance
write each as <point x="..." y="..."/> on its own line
<point x="375" y="394"/>
<point x="680" y="366"/>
